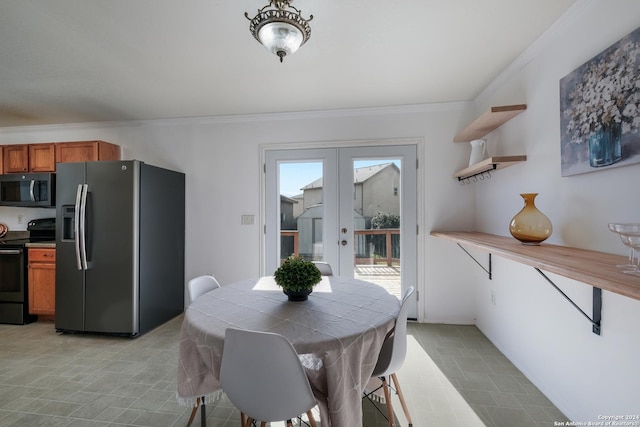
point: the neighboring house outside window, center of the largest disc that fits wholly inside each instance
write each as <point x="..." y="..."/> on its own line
<point x="375" y="190"/>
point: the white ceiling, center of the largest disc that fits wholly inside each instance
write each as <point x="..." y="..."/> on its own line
<point x="67" y="61"/>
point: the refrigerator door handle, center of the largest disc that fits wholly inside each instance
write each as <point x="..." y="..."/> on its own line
<point x="31" y="186"/>
<point x="83" y="231"/>
<point x="76" y="226"/>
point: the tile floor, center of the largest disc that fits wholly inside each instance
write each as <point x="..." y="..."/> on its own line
<point x="453" y="376"/>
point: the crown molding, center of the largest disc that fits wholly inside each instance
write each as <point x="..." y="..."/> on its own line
<point x="314" y="114"/>
<point x="243" y="118"/>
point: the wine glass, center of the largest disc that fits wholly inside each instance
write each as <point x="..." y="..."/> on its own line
<point x="634" y="241"/>
<point x="625" y="241"/>
<point x="629" y="234"/>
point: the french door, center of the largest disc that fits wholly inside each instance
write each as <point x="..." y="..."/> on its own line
<point x="353" y="207"/>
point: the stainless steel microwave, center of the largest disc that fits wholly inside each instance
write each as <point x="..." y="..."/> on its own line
<point x="28" y="190"/>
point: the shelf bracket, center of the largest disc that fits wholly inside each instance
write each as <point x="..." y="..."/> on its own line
<point x="597" y="304"/>
<point x="481" y="266"/>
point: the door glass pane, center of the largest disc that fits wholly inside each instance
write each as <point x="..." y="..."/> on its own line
<point x="301" y="210"/>
<point x="376" y="222"/>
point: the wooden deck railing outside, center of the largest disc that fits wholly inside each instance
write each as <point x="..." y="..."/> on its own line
<point x="360" y="249"/>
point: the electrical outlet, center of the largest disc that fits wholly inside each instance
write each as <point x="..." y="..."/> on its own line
<point x="20" y="219"/>
<point x="493" y="297"/>
<point x="248" y="219"/>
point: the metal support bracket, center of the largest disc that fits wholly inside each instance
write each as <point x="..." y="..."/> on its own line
<point x="597" y="304"/>
<point x="478" y="175"/>
<point x="481" y="266"/>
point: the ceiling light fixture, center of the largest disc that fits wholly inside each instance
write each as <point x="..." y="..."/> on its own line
<point x="280" y="27"/>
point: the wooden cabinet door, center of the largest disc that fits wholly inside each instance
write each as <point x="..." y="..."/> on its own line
<point x="86" y="151"/>
<point x="108" y="151"/>
<point x="42" y="157"/>
<point x="42" y="281"/>
<point x="16" y="158"/>
<point x="76" y="151"/>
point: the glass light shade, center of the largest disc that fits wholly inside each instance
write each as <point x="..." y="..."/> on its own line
<point x="530" y="226"/>
<point x="280" y="38"/>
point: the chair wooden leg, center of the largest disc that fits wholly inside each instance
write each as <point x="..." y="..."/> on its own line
<point x="194" y="411"/>
<point x="263" y="424"/>
<point x="248" y="422"/>
<point x="387" y="398"/>
<point x="312" y="420"/>
<point x="289" y="423"/>
<point x="242" y="419"/>
<point x="401" y="397"/>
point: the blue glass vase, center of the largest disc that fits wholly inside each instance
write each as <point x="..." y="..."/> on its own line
<point x="605" y="146"/>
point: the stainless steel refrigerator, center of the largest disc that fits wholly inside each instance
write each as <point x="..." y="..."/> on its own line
<point x="119" y="247"/>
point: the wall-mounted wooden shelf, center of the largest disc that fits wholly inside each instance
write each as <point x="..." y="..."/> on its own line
<point x="488" y="165"/>
<point x="590" y="267"/>
<point x="597" y="269"/>
<point x="489" y="121"/>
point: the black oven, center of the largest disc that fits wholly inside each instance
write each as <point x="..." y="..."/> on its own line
<point x="30" y="189"/>
<point x="14" y="302"/>
<point x="14" y="286"/>
<point x="11" y="274"/>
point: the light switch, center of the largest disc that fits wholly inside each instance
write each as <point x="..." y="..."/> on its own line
<point x="248" y="219"/>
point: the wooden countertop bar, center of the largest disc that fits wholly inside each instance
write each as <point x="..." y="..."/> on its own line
<point x="597" y="269"/>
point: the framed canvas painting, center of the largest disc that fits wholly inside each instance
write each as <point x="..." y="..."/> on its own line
<point x="600" y="110"/>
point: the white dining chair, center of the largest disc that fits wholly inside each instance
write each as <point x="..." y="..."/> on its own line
<point x="324" y="267"/>
<point x="391" y="359"/>
<point x="201" y="285"/>
<point x="262" y="376"/>
<point x="196" y="287"/>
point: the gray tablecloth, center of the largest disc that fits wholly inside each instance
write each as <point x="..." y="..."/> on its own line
<point x="338" y="333"/>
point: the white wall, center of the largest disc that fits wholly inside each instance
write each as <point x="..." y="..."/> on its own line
<point x="221" y="159"/>
<point x="584" y="374"/>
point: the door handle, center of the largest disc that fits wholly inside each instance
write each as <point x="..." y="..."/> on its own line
<point x="76" y="226"/>
<point x="31" y="186"/>
<point x="343" y="243"/>
<point x="83" y="231"/>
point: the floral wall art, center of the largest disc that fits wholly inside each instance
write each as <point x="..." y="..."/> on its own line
<point x="600" y="110"/>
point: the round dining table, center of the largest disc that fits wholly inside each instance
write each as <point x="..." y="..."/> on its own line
<point x="337" y="332"/>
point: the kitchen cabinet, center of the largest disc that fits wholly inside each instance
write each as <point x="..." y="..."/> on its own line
<point x="42" y="281"/>
<point x="42" y="158"/>
<point x="86" y="151"/>
<point x="22" y="158"/>
<point x="15" y="158"/>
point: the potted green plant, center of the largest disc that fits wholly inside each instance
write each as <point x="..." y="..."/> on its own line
<point x="297" y="277"/>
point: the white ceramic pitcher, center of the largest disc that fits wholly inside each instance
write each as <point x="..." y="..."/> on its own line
<point x="478" y="151"/>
